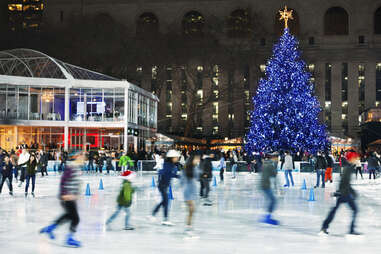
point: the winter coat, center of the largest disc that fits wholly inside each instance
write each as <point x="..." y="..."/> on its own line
<point x="269" y="170"/>
<point x="43" y="159"/>
<point x="345" y="188"/>
<point x="6" y="169"/>
<point x="123" y="160"/>
<point x="329" y="161"/>
<point x="373" y="162"/>
<point x="321" y="163"/>
<point x="206" y="167"/>
<point x="23" y="159"/>
<point x="288" y="163"/>
<point x="125" y="195"/>
<point x="31" y="168"/>
<point x="70" y="182"/>
<point x="166" y="174"/>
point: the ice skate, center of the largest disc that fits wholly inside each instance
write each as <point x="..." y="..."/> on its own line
<point x="207" y="202"/>
<point x="269" y="220"/>
<point x="167" y="223"/>
<point x="71" y="242"/>
<point x="189" y="233"/>
<point x="323" y="232"/>
<point x="151" y="218"/>
<point x="33" y="195"/>
<point x="129" y="228"/>
<point x="49" y="231"/>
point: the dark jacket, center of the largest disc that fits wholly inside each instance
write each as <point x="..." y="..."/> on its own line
<point x="321" y="163"/>
<point x="31" y="168"/>
<point x="168" y="172"/>
<point x="43" y="159"/>
<point x="269" y="170"/>
<point x="70" y="182"/>
<point x="329" y="161"/>
<point x="345" y="188"/>
<point x="373" y="162"/>
<point x="206" y="167"/>
<point x="6" y="169"/>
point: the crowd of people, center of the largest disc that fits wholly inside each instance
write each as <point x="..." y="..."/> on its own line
<point x="194" y="169"/>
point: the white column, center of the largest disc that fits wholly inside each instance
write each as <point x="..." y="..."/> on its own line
<point x="125" y="136"/>
<point x="66" y="118"/>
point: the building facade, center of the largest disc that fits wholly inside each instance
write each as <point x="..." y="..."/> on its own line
<point x="340" y="40"/>
<point x="57" y="105"/>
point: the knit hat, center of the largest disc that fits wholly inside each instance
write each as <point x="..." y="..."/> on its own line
<point x="350" y="156"/>
<point x="128" y="175"/>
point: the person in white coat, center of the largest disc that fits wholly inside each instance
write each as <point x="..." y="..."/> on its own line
<point x="288" y="165"/>
<point x="22" y="164"/>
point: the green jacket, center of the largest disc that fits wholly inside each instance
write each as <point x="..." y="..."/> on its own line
<point x="269" y="170"/>
<point x="124" y="160"/>
<point x="125" y="194"/>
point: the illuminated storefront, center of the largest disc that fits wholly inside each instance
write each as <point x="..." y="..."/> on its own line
<point x="55" y="104"/>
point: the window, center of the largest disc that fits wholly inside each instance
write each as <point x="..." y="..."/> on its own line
<point x="25" y="14"/>
<point x="193" y="23"/>
<point x="336" y="21"/>
<point x="293" y="24"/>
<point x="361" y="82"/>
<point x="239" y="24"/>
<point x="378" y="84"/>
<point x="377" y="21"/>
<point x="344" y="96"/>
<point x="328" y="82"/>
<point x="147" y="24"/>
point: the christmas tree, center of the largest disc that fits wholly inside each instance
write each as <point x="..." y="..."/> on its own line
<point x="285" y="115"/>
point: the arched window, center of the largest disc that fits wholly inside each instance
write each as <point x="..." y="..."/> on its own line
<point x="193" y="23"/>
<point x="293" y="24"/>
<point x="147" y="24"/>
<point x="239" y="24"/>
<point x="336" y="21"/>
<point x="377" y="21"/>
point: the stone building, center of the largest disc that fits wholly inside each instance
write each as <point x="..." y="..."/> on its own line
<point x="340" y="40"/>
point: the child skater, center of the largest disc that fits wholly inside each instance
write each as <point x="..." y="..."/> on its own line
<point x="168" y="172"/>
<point x="69" y="194"/>
<point x="124" y="200"/>
<point x="269" y="170"/>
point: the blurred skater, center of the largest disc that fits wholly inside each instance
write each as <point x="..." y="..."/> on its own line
<point x="168" y="172"/>
<point x="222" y="166"/>
<point x="345" y="194"/>
<point x="206" y="177"/>
<point x="269" y="170"/>
<point x="330" y="163"/>
<point x="124" y="200"/>
<point x="373" y="165"/>
<point x="189" y="181"/>
<point x="6" y="174"/>
<point x="43" y="162"/>
<point x="320" y="166"/>
<point x="69" y="194"/>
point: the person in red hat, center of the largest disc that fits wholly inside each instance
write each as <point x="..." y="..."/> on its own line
<point x="345" y="194"/>
<point x="124" y="199"/>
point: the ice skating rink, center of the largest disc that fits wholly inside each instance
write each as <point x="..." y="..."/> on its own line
<point x="229" y="226"/>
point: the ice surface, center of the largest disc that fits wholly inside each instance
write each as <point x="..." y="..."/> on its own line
<point x="229" y="226"/>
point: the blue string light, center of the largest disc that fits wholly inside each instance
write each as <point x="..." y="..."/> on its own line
<point x="285" y="115"/>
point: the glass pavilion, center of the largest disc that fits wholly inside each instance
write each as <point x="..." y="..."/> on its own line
<point x="55" y="104"/>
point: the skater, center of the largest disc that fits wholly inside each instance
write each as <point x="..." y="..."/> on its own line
<point x="14" y="160"/>
<point x="123" y="162"/>
<point x="373" y="165"/>
<point x="100" y="162"/>
<point x="43" y="162"/>
<point x="31" y="174"/>
<point x="358" y="168"/>
<point x="269" y="170"/>
<point x="159" y="161"/>
<point x="6" y="174"/>
<point x="90" y="165"/>
<point x="288" y="165"/>
<point x="206" y="177"/>
<point x="22" y="164"/>
<point x="124" y="199"/>
<point x="330" y="163"/>
<point x="109" y="165"/>
<point x="168" y="172"/>
<point x="320" y="167"/>
<point x="233" y="163"/>
<point x="189" y="177"/>
<point x="345" y="194"/>
<point x="69" y="193"/>
<point x="222" y="166"/>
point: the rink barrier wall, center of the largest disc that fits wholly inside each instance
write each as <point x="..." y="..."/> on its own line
<point x="148" y="165"/>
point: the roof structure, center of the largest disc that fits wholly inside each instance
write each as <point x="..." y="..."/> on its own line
<point x="31" y="63"/>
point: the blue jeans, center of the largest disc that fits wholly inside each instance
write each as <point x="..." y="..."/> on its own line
<point x="320" y="173"/>
<point x="116" y="213"/>
<point x="28" y="177"/>
<point x="164" y="195"/>
<point x="288" y="172"/>
<point x="270" y="196"/>
<point x="234" y="169"/>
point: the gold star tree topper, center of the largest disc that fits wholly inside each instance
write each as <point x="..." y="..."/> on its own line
<point x="285" y="15"/>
